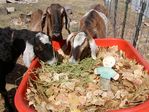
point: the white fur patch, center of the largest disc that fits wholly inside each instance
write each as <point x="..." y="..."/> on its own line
<point x="79" y="39"/>
<point x="86" y="14"/>
<point x="103" y="16"/>
<point x="93" y="48"/>
<point x="43" y="38"/>
<point x="28" y="54"/>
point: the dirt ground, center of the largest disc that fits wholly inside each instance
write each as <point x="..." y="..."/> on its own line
<point x="79" y="7"/>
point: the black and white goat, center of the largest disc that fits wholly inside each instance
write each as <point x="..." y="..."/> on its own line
<point x="92" y="25"/>
<point x="30" y="44"/>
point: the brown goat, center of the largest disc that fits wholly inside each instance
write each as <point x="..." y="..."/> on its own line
<point x="51" y="22"/>
<point x="55" y="15"/>
<point x="92" y="25"/>
<point x="36" y="20"/>
<point x="100" y="8"/>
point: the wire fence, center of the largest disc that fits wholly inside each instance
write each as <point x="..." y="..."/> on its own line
<point x="130" y="24"/>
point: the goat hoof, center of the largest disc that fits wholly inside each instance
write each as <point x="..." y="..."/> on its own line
<point x="6" y="110"/>
<point x="9" y="108"/>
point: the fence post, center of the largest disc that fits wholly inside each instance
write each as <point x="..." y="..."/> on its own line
<point x="139" y="22"/>
<point x="125" y="17"/>
<point x="109" y="8"/>
<point x="115" y="16"/>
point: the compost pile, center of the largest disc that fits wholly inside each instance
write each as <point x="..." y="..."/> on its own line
<point x="75" y="88"/>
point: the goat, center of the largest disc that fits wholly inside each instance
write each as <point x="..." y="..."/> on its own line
<point x="100" y="8"/>
<point x="35" y="20"/>
<point x="30" y="44"/>
<point x="51" y="23"/>
<point x="92" y="25"/>
<point x="54" y="16"/>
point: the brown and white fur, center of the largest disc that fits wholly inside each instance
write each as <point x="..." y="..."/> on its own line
<point x="92" y="25"/>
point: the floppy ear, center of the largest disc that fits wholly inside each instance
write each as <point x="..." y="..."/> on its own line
<point x="43" y="20"/>
<point x="66" y="20"/>
<point x="70" y="38"/>
<point x="37" y="44"/>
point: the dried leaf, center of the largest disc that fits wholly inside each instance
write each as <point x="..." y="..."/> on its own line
<point x="75" y="88"/>
<point x="74" y="101"/>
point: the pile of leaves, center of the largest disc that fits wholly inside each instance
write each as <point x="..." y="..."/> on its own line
<point x="75" y="88"/>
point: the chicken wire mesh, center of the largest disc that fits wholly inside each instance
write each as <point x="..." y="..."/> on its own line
<point x="124" y="22"/>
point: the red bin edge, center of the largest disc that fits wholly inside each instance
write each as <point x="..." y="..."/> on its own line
<point x="22" y="104"/>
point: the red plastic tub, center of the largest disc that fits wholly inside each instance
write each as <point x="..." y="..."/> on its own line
<point x="22" y="104"/>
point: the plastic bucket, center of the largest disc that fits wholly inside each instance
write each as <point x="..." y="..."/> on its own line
<point x="22" y="104"/>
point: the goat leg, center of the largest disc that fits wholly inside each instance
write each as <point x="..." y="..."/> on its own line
<point x="8" y="107"/>
<point x="4" y="93"/>
<point x="93" y="48"/>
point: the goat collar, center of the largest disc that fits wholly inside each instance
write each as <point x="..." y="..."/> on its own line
<point x="58" y="44"/>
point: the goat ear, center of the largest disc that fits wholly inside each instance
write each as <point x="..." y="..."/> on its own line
<point x="70" y="38"/>
<point x="43" y="20"/>
<point x="66" y="21"/>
